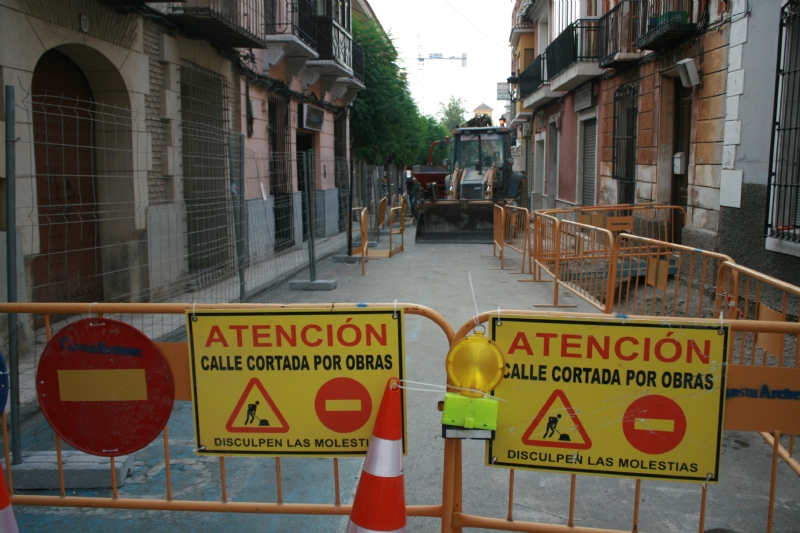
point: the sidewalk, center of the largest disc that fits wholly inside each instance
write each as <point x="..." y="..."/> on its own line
<point x="436" y="276"/>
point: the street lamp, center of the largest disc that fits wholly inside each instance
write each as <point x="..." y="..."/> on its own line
<point x="513" y="90"/>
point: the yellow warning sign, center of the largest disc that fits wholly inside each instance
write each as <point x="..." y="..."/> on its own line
<point x="291" y="382"/>
<point x="620" y="397"/>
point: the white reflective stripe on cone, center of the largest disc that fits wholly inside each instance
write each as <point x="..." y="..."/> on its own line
<point x="384" y="457"/>
<point x="354" y="528"/>
<point x="8" y="524"/>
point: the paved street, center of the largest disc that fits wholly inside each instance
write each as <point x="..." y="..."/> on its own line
<point x="435" y="276"/>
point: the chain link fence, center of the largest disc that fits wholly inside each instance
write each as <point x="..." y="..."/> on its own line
<point x="115" y="206"/>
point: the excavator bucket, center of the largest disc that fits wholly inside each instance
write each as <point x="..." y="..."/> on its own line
<point x="456" y="221"/>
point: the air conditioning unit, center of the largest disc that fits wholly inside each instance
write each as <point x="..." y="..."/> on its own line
<point x="313" y="118"/>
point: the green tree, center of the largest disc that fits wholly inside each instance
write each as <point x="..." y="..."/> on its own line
<point x="432" y="130"/>
<point x="451" y="115"/>
<point x="384" y="121"/>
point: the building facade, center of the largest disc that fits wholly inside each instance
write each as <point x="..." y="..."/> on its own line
<point x="162" y="145"/>
<point x="666" y="101"/>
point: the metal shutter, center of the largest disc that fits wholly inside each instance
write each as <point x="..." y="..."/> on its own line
<point x="589" y="161"/>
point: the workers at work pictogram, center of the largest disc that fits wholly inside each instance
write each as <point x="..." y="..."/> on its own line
<point x="251" y="413"/>
<point x="551" y="426"/>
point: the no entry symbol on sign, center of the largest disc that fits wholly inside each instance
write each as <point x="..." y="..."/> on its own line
<point x="104" y="387"/>
<point x="654" y="424"/>
<point x="343" y="405"/>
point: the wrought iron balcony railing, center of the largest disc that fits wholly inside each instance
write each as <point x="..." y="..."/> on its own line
<point x="234" y="23"/>
<point x="334" y="43"/>
<point x="292" y="17"/>
<point x="534" y="76"/>
<point x="580" y="41"/>
<point x="358" y="62"/>
<point x="661" y="23"/>
<point x="617" y="33"/>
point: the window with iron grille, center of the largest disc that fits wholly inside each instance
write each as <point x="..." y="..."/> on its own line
<point x="624" y="164"/>
<point x="280" y="170"/>
<point x="204" y="131"/>
<point x="783" y="211"/>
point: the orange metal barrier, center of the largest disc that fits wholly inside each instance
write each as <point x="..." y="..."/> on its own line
<point x="584" y="261"/>
<point x="363" y="249"/>
<point x="462" y="519"/>
<point x="653" y="221"/>
<point x="640" y="281"/>
<point x="380" y="222"/>
<point x="499" y="233"/>
<point x="746" y="294"/>
<point x="176" y="354"/>
<point x="396" y="216"/>
<point x="516" y="231"/>
<point x="450" y="511"/>
<point x="542" y="245"/>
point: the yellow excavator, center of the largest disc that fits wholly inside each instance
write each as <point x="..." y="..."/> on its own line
<point x="480" y="176"/>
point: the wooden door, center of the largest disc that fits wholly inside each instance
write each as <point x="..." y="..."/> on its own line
<point x="67" y="268"/>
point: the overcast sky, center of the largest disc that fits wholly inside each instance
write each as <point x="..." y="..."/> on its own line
<point x="479" y="28"/>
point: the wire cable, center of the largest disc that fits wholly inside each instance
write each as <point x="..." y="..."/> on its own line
<point x="503" y="46"/>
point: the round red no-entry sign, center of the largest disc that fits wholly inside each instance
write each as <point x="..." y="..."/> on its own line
<point x="104" y="387"/>
<point x="654" y="424"/>
<point x="343" y="405"/>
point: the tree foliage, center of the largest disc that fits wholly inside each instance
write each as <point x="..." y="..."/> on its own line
<point x="451" y="115"/>
<point x="433" y="130"/>
<point x="384" y="122"/>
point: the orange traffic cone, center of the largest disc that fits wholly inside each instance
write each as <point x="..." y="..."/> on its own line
<point x="8" y="524"/>
<point x="380" y="502"/>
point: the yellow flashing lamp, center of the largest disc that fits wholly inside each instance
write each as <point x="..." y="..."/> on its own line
<point x="475" y="366"/>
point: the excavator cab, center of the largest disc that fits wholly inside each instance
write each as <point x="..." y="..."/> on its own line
<point x="480" y="176"/>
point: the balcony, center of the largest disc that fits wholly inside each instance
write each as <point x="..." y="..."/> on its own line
<point x="231" y="23"/>
<point x="662" y="23"/>
<point x="572" y="57"/>
<point x="617" y="43"/>
<point x="358" y="62"/>
<point x="517" y="30"/>
<point x="534" y="89"/>
<point x="334" y="42"/>
<point x="291" y="27"/>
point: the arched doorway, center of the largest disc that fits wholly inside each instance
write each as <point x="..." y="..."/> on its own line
<point x="67" y="267"/>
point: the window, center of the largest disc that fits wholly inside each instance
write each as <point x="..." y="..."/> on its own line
<point x="206" y="175"/>
<point x="624" y="164"/>
<point x="784" y="178"/>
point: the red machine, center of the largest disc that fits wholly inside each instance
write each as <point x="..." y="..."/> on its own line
<point x="430" y="175"/>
